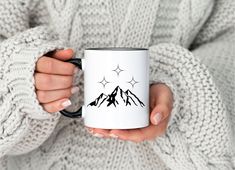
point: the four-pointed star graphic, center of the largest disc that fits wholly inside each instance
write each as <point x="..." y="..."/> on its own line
<point x="132" y="82"/>
<point x="118" y="70"/>
<point x="104" y="82"/>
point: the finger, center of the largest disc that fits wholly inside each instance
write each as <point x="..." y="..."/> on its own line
<point x="139" y="135"/>
<point x="161" y="94"/>
<point x="101" y="132"/>
<point x="53" y="95"/>
<point x="52" y="82"/>
<point x="63" y="54"/>
<point x="159" y="113"/>
<point x="134" y="135"/>
<point x="56" y="105"/>
<point x="153" y="131"/>
<point x="161" y="103"/>
<point x="53" y="66"/>
<point x="89" y="130"/>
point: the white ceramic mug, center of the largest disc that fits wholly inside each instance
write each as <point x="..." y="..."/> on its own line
<point x="116" y="88"/>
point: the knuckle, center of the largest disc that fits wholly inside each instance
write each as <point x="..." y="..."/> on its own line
<point x="37" y="80"/>
<point x="139" y="139"/>
<point x="152" y="138"/>
<point x="66" y="93"/>
<point x="46" y="80"/>
<point x="51" y="108"/>
<point x="40" y="61"/>
<point x="49" y="64"/>
<point x="68" y="80"/>
<point x="166" y="110"/>
<point x="162" y="130"/>
<point x="44" y="64"/>
<point x="42" y="81"/>
<point x="70" y="67"/>
<point x="162" y="133"/>
<point x="42" y="97"/>
<point x="169" y="104"/>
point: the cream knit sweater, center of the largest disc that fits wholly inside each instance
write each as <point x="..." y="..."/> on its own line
<point x="200" y="134"/>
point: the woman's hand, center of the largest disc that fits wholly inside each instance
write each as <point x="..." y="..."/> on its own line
<point x="53" y="80"/>
<point x="161" y="101"/>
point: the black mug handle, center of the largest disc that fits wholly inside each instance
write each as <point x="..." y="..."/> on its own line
<point x="78" y="63"/>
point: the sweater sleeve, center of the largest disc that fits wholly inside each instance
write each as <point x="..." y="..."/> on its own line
<point x="221" y="19"/>
<point x="200" y="133"/>
<point x="24" y="125"/>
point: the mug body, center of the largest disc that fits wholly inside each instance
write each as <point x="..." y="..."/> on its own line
<point x="116" y="88"/>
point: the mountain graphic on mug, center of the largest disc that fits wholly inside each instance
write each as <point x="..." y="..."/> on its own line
<point x="117" y="97"/>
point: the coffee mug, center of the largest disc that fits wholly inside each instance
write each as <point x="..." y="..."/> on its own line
<point x="116" y="88"/>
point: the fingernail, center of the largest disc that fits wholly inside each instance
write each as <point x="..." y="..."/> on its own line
<point x="113" y="136"/>
<point x="157" y="118"/>
<point x="66" y="103"/>
<point x="98" y="135"/>
<point x="74" y="89"/>
<point x="75" y="70"/>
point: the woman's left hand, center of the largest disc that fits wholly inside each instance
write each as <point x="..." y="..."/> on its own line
<point x="161" y="101"/>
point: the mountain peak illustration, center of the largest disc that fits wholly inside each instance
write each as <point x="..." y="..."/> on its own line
<point x="117" y="97"/>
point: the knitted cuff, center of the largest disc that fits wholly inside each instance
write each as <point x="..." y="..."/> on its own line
<point x="20" y="78"/>
<point x="24" y="125"/>
<point x="22" y="116"/>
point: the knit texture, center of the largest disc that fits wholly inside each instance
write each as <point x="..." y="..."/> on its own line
<point x="200" y="133"/>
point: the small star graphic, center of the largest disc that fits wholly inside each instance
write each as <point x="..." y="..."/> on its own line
<point x="104" y="82"/>
<point x="118" y="70"/>
<point x="132" y="82"/>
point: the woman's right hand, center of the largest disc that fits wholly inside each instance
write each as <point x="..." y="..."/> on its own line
<point x="53" y="80"/>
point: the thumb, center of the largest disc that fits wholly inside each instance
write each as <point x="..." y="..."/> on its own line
<point x="63" y="55"/>
<point x="159" y="113"/>
<point x="162" y="101"/>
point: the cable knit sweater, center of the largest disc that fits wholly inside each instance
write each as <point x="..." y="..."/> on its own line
<point x="191" y="45"/>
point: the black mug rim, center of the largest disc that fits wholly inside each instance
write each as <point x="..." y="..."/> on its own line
<point x="118" y="49"/>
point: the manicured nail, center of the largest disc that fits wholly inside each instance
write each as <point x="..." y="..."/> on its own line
<point x="98" y="135"/>
<point x="66" y="103"/>
<point x="75" y="70"/>
<point x="74" y="89"/>
<point x="157" y="118"/>
<point x="113" y="136"/>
